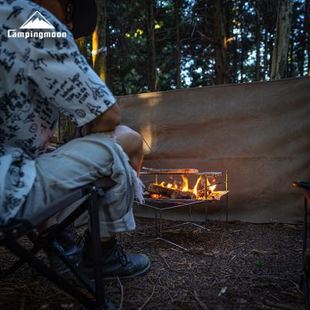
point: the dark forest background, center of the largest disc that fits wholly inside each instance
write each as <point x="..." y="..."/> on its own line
<point x="150" y="45"/>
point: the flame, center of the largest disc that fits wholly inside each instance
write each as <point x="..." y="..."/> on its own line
<point x="195" y="190"/>
<point x="185" y="184"/>
<point x="212" y="188"/>
<point x="203" y="186"/>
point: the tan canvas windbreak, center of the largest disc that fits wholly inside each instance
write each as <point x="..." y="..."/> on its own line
<point x="258" y="132"/>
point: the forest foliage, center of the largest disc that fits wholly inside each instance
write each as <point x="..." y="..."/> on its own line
<point x="155" y="45"/>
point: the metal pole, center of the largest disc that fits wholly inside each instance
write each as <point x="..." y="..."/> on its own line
<point x="226" y="180"/>
<point x="305" y="226"/>
<point x="156" y="223"/>
<point x="206" y="214"/>
<point x="160" y="222"/>
<point x="226" y="207"/>
<point x="96" y="246"/>
<point x="50" y="274"/>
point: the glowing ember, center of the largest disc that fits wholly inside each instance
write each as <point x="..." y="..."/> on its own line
<point x="155" y="196"/>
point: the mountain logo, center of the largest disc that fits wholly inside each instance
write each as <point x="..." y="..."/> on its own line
<point x="37" y="21"/>
<point x="37" y="26"/>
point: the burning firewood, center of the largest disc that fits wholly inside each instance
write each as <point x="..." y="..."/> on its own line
<point x="173" y="193"/>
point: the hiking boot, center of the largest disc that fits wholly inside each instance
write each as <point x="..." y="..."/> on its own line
<point x="116" y="263"/>
<point x="65" y="243"/>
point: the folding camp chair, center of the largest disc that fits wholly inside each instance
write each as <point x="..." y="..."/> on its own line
<point x="305" y="278"/>
<point x="85" y="198"/>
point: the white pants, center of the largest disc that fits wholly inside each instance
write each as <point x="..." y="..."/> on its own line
<point x="80" y="162"/>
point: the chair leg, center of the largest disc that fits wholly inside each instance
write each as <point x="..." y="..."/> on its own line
<point x="42" y="242"/>
<point x="306" y="256"/>
<point x="97" y="250"/>
<point x="35" y="249"/>
<point x="305" y="225"/>
<point x="306" y="278"/>
<point x="37" y="264"/>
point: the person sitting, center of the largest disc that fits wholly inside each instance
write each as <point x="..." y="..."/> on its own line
<point x="39" y="79"/>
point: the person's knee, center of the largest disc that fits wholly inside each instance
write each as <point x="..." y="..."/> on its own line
<point x="130" y="140"/>
<point x="136" y="146"/>
<point x="132" y="144"/>
<point x="137" y="142"/>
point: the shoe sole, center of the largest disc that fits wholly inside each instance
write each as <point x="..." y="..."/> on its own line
<point x="137" y="274"/>
<point x="140" y="273"/>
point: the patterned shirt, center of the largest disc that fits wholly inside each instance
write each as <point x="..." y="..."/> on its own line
<point x="39" y="78"/>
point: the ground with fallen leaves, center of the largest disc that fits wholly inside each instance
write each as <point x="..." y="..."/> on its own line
<point x="227" y="266"/>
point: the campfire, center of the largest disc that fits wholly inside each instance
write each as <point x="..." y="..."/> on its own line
<point x="184" y="184"/>
<point x="172" y="189"/>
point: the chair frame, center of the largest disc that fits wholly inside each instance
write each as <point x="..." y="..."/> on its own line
<point x="87" y="200"/>
<point x="305" y="277"/>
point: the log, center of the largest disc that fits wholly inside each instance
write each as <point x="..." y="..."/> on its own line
<point x="153" y="171"/>
<point x="170" y="192"/>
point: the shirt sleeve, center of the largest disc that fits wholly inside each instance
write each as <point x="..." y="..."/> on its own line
<point x="65" y="79"/>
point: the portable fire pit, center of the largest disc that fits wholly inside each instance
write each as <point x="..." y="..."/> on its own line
<point x="169" y="189"/>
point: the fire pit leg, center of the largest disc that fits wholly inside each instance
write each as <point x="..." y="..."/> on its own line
<point x="156" y="223"/>
<point x="159" y="229"/>
<point x="160" y="223"/>
<point x="206" y="215"/>
<point x="226" y="208"/>
<point x="165" y="240"/>
<point x="172" y="243"/>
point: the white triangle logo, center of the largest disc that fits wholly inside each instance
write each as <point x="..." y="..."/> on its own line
<point x="37" y="21"/>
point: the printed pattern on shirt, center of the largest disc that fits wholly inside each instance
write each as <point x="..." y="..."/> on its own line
<point x="39" y="79"/>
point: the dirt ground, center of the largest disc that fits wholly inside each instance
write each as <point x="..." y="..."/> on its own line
<point x="227" y="266"/>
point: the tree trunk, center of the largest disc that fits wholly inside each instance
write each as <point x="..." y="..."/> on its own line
<point x="241" y="53"/>
<point x="266" y="52"/>
<point x="108" y="58"/>
<point x="307" y="32"/>
<point x="242" y="35"/>
<point x="301" y="48"/>
<point x="151" y="45"/>
<point x="234" y="46"/>
<point x="270" y="49"/>
<point x="280" y="49"/>
<point x="99" y="41"/>
<point x="82" y="45"/>
<point x="290" y="63"/>
<point x="258" y="43"/>
<point x="220" y="43"/>
<point x="178" y="44"/>
<point x="230" y="51"/>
